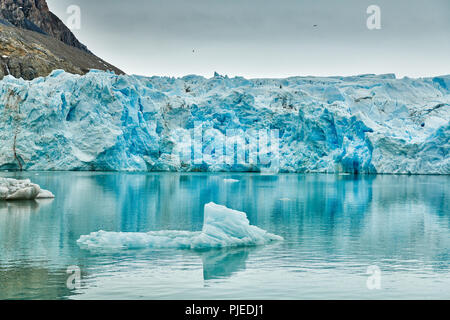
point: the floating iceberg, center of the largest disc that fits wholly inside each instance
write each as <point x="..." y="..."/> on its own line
<point x="102" y="121"/>
<point x="230" y="180"/>
<point x="222" y="228"/>
<point x="12" y="189"/>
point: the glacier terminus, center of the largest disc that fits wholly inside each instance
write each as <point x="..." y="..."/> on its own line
<point x="106" y="122"/>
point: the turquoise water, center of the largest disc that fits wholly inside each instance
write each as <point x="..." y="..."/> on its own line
<point x="335" y="228"/>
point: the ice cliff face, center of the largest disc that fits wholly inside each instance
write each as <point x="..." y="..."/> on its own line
<point x="101" y="121"/>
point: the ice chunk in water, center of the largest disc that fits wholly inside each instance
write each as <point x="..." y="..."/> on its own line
<point x="230" y="180"/>
<point x="222" y="227"/>
<point x="225" y="227"/>
<point x="12" y="189"/>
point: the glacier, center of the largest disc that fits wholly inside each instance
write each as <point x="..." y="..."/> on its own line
<point x="222" y="228"/>
<point x="107" y="122"/>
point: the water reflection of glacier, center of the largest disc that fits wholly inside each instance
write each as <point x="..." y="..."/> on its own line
<point x="343" y="223"/>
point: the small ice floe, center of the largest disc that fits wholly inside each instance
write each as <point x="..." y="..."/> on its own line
<point x="230" y="180"/>
<point x="223" y="227"/>
<point x="12" y="189"/>
<point x="45" y="194"/>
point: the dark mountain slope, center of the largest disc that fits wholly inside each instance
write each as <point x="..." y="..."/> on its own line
<point x="34" y="42"/>
<point x="29" y="54"/>
<point x="35" y="15"/>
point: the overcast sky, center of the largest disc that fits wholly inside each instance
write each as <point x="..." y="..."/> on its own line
<point x="265" y="38"/>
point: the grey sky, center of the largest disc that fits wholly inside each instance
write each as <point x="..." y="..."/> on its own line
<point x="265" y="38"/>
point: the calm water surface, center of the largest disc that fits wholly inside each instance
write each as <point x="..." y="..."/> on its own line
<point x="335" y="227"/>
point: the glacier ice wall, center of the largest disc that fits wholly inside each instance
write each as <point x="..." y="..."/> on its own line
<point x="101" y="121"/>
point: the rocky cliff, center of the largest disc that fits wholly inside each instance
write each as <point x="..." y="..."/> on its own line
<point x="34" y="15"/>
<point x="27" y="54"/>
<point x="34" y="42"/>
